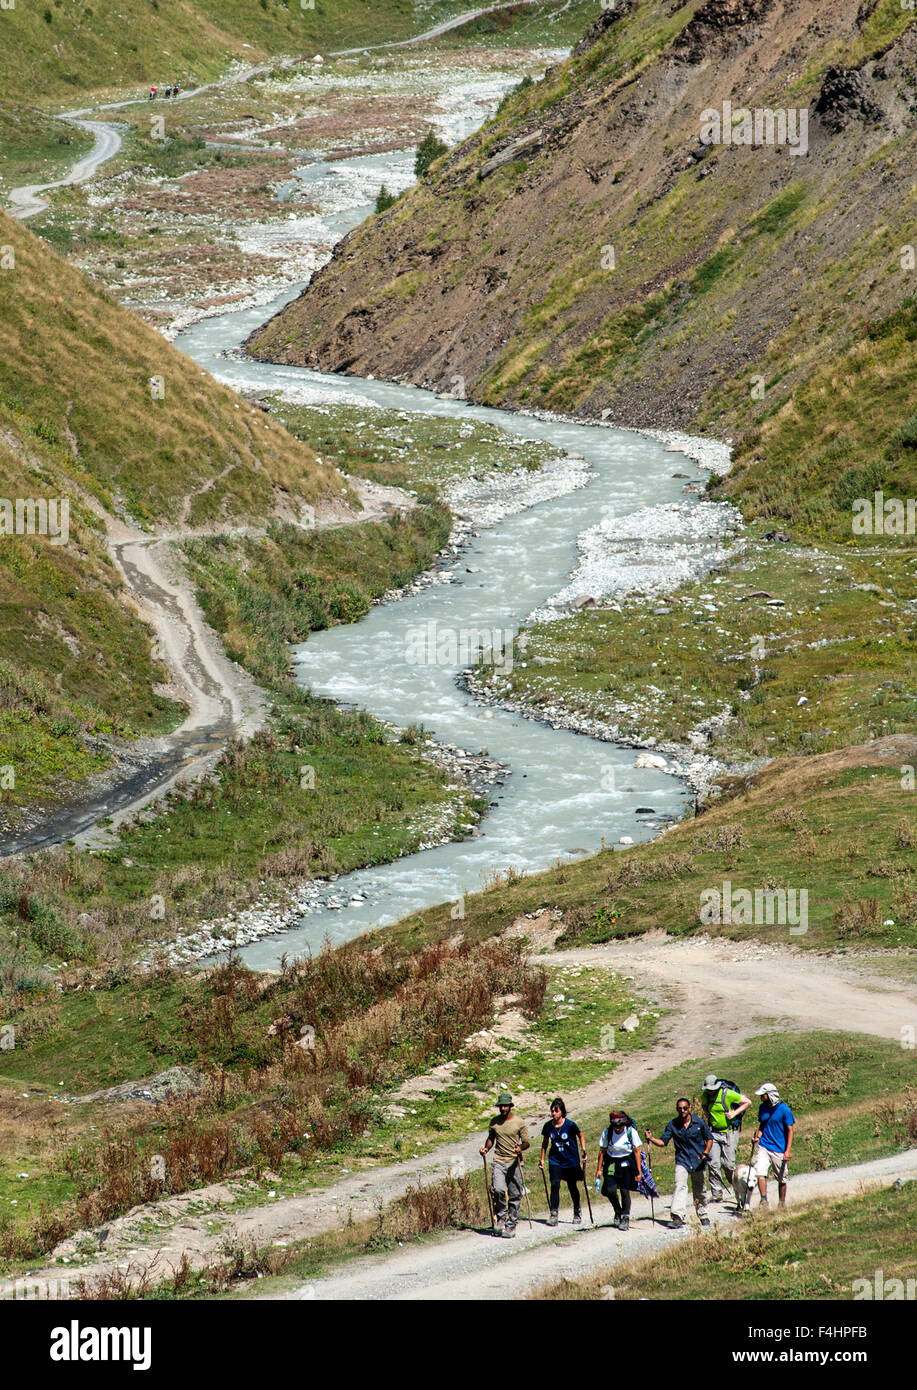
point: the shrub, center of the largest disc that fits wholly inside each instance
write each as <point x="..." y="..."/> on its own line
<point x="429" y="149"/>
<point x="384" y="199"/>
<point x="858" y="918"/>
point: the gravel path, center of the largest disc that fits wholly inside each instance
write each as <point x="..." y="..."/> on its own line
<point x="722" y="992"/>
<point x="473" y="1265"/>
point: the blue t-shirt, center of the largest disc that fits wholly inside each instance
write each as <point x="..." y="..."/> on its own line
<point x="689" y="1140"/>
<point x="563" y="1142"/>
<point x="774" y="1121"/>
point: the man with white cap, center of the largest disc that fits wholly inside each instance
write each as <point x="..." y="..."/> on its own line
<point x="776" y="1123"/>
<point x="722" y="1106"/>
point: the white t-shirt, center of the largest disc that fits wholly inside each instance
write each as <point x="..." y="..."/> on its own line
<point x="620" y="1145"/>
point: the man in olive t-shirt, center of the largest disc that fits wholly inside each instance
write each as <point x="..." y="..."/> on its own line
<point x="508" y="1136"/>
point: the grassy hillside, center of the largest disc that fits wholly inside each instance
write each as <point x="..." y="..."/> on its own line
<point x="67" y="47"/>
<point x="78" y="420"/>
<point x="59" y="50"/>
<point x="621" y="264"/>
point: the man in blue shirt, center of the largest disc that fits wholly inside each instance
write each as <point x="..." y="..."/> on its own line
<point x="693" y="1140"/>
<point x="776" y="1124"/>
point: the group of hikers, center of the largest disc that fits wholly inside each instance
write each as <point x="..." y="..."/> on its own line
<point x="172" y="91"/>
<point x="705" y="1147"/>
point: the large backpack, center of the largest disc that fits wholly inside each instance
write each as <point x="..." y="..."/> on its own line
<point x="724" y="1087"/>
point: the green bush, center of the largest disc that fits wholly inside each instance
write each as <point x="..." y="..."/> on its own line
<point x="430" y="148"/>
<point x="384" y="199"/>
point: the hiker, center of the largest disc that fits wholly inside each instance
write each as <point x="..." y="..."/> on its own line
<point x="776" y="1125"/>
<point x="175" y="89"/>
<point x="620" y="1164"/>
<point x="152" y="94"/>
<point x="693" y="1140"/>
<point x="508" y="1136"/>
<point x="723" y="1108"/>
<point x="168" y="91"/>
<point x="562" y="1135"/>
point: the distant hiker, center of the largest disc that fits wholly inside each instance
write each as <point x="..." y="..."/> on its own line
<point x="724" y="1107"/>
<point x="168" y="91"/>
<point x="620" y="1164"/>
<point x="175" y="89"/>
<point x="693" y="1140"/>
<point x="776" y="1125"/>
<point x="152" y="94"/>
<point x="562" y="1136"/>
<point x="508" y="1136"/>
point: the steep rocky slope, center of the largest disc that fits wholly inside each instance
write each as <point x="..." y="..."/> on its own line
<point x="588" y="251"/>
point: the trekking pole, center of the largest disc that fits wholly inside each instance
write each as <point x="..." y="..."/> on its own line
<point x="586" y="1190"/>
<point x="490" y="1201"/>
<point x="545" y="1181"/>
<point x="525" y="1193"/>
<point x="749" y="1186"/>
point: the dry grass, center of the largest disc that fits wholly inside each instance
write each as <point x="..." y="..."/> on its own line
<point x="453" y="1203"/>
<point x="294" y="1066"/>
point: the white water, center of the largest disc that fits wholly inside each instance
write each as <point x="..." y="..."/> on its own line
<point x="567" y="793"/>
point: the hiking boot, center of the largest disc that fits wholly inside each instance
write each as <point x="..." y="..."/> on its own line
<point x="577" y="1217"/>
<point x="617" y="1223"/>
<point x="677" y="1222"/>
<point x="552" y="1219"/>
<point x="624" y="1223"/>
<point x="499" y="1228"/>
<point x="509" y="1232"/>
<point x="706" y="1223"/>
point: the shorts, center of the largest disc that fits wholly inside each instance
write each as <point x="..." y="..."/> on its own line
<point x="767" y="1161"/>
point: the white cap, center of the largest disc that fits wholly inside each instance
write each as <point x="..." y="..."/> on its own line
<point x="768" y="1089"/>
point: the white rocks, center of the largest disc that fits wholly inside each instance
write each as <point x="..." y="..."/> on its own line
<point x="625" y="840"/>
<point x="631" y="1024"/>
<point x="650" y="760"/>
<point x="653" y="550"/>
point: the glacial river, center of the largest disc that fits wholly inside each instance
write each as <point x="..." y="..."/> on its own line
<point x="567" y="793"/>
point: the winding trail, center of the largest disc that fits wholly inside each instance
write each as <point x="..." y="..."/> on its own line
<point x="702" y="979"/>
<point x="25" y="201"/>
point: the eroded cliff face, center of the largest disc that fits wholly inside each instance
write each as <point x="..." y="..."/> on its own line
<point x="631" y="253"/>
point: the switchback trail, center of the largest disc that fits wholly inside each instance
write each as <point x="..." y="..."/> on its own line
<point x="738" y="984"/>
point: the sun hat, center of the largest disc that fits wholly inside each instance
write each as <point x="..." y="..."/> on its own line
<point x="768" y="1089"/>
<point x="711" y="1081"/>
<point x="504" y="1098"/>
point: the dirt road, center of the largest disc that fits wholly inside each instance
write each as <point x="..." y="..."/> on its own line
<point x="811" y="991"/>
<point x="474" y="1265"/>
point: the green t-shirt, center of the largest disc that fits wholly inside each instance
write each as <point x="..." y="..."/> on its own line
<point x="717" y="1112"/>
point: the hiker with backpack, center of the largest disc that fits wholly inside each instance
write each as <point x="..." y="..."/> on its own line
<point x="508" y="1136"/>
<point x="776" y="1126"/>
<point x="562" y="1135"/>
<point x="620" y="1164"/>
<point x="693" y="1140"/>
<point x="723" y="1106"/>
